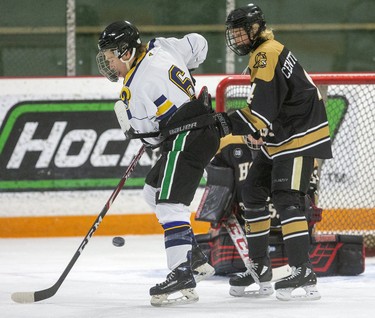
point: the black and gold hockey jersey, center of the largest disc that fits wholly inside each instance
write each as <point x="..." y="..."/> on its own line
<point x="284" y="106"/>
<point x="234" y="153"/>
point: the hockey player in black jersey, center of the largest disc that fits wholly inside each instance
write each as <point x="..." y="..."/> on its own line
<point x="237" y="153"/>
<point x="226" y="176"/>
<point x="285" y="109"/>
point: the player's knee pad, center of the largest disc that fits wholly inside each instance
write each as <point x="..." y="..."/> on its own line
<point x="149" y="194"/>
<point x="254" y="197"/>
<point x="172" y="212"/>
<point x="253" y="213"/>
<point x="283" y="199"/>
<point x="289" y="204"/>
<point x="292" y="213"/>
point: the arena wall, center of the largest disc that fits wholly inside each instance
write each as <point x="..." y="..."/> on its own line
<point x="50" y="188"/>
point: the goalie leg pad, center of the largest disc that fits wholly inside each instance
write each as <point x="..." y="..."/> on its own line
<point x="337" y="255"/>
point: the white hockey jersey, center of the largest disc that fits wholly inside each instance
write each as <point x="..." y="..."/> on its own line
<point x="160" y="82"/>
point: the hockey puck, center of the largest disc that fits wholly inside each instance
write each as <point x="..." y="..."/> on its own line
<point x="118" y="241"/>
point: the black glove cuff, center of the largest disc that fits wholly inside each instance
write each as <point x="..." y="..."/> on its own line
<point x="225" y="125"/>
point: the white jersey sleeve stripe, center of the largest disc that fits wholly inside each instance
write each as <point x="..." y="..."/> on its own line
<point x="170" y="111"/>
<point x="164" y="108"/>
<point x="160" y="100"/>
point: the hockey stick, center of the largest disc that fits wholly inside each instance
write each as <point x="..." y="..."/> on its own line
<point x="31" y="297"/>
<point x="239" y="240"/>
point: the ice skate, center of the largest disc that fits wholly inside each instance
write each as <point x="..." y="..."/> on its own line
<point x="180" y="280"/>
<point x="302" y="277"/>
<point x="261" y="270"/>
<point x="199" y="264"/>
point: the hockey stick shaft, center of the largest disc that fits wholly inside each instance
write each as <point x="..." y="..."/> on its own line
<point x="240" y="242"/>
<point x="239" y="239"/>
<point x="30" y="297"/>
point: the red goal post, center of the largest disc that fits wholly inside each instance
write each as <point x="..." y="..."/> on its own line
<point x="347" y="182"/>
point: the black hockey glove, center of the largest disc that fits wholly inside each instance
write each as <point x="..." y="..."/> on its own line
<point x="205" y="97"/>
<point x="223" y="124"/>
<point x="129" y="134"/>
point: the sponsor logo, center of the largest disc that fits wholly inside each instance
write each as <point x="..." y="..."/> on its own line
<point x="260" y="60"/>
<point x="237" y="152"/>
<point x="70" y="145"/>
<point x="90" y="234"/>
<point x="264" y="270"/>
<point x="183" y="128"/>
<point x="280" y="180"/>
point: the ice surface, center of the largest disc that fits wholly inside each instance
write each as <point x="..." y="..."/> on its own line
<point x="109" y="281"/>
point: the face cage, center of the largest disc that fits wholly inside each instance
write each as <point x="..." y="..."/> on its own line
<point x="251" y="145"/>
<point x="104" y="69"/>
<point x="240" y="50"/>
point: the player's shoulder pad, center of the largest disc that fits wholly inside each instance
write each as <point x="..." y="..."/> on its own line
<point x="264" y="60"/>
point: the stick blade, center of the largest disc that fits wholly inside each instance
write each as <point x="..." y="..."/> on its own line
<point x="23" y="297"/>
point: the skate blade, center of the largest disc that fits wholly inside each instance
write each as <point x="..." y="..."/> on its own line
<point x="311" y="293"/>
<point x="203" y="272"/>
<point x="188" y="296"/>
<point x="265" y="290"/>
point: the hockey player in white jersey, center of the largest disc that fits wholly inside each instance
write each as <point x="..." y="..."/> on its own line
<point x="159" y="106"/>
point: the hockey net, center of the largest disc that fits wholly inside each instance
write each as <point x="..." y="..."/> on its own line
<point x="347" y="182"/>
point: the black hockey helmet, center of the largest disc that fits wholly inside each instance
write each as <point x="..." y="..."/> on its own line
<point x="120" y="37"/>
<point x="244" y="18"/>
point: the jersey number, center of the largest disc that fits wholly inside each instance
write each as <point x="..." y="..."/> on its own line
<point x="183" y="82"/>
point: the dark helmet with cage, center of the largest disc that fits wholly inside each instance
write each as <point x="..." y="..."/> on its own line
<point x="243" y="19"/>
<point x="253" y="144"/>
<point x="119" y="37"/>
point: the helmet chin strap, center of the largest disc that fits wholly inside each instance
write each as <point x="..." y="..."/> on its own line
<point x="129" y="61"/>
